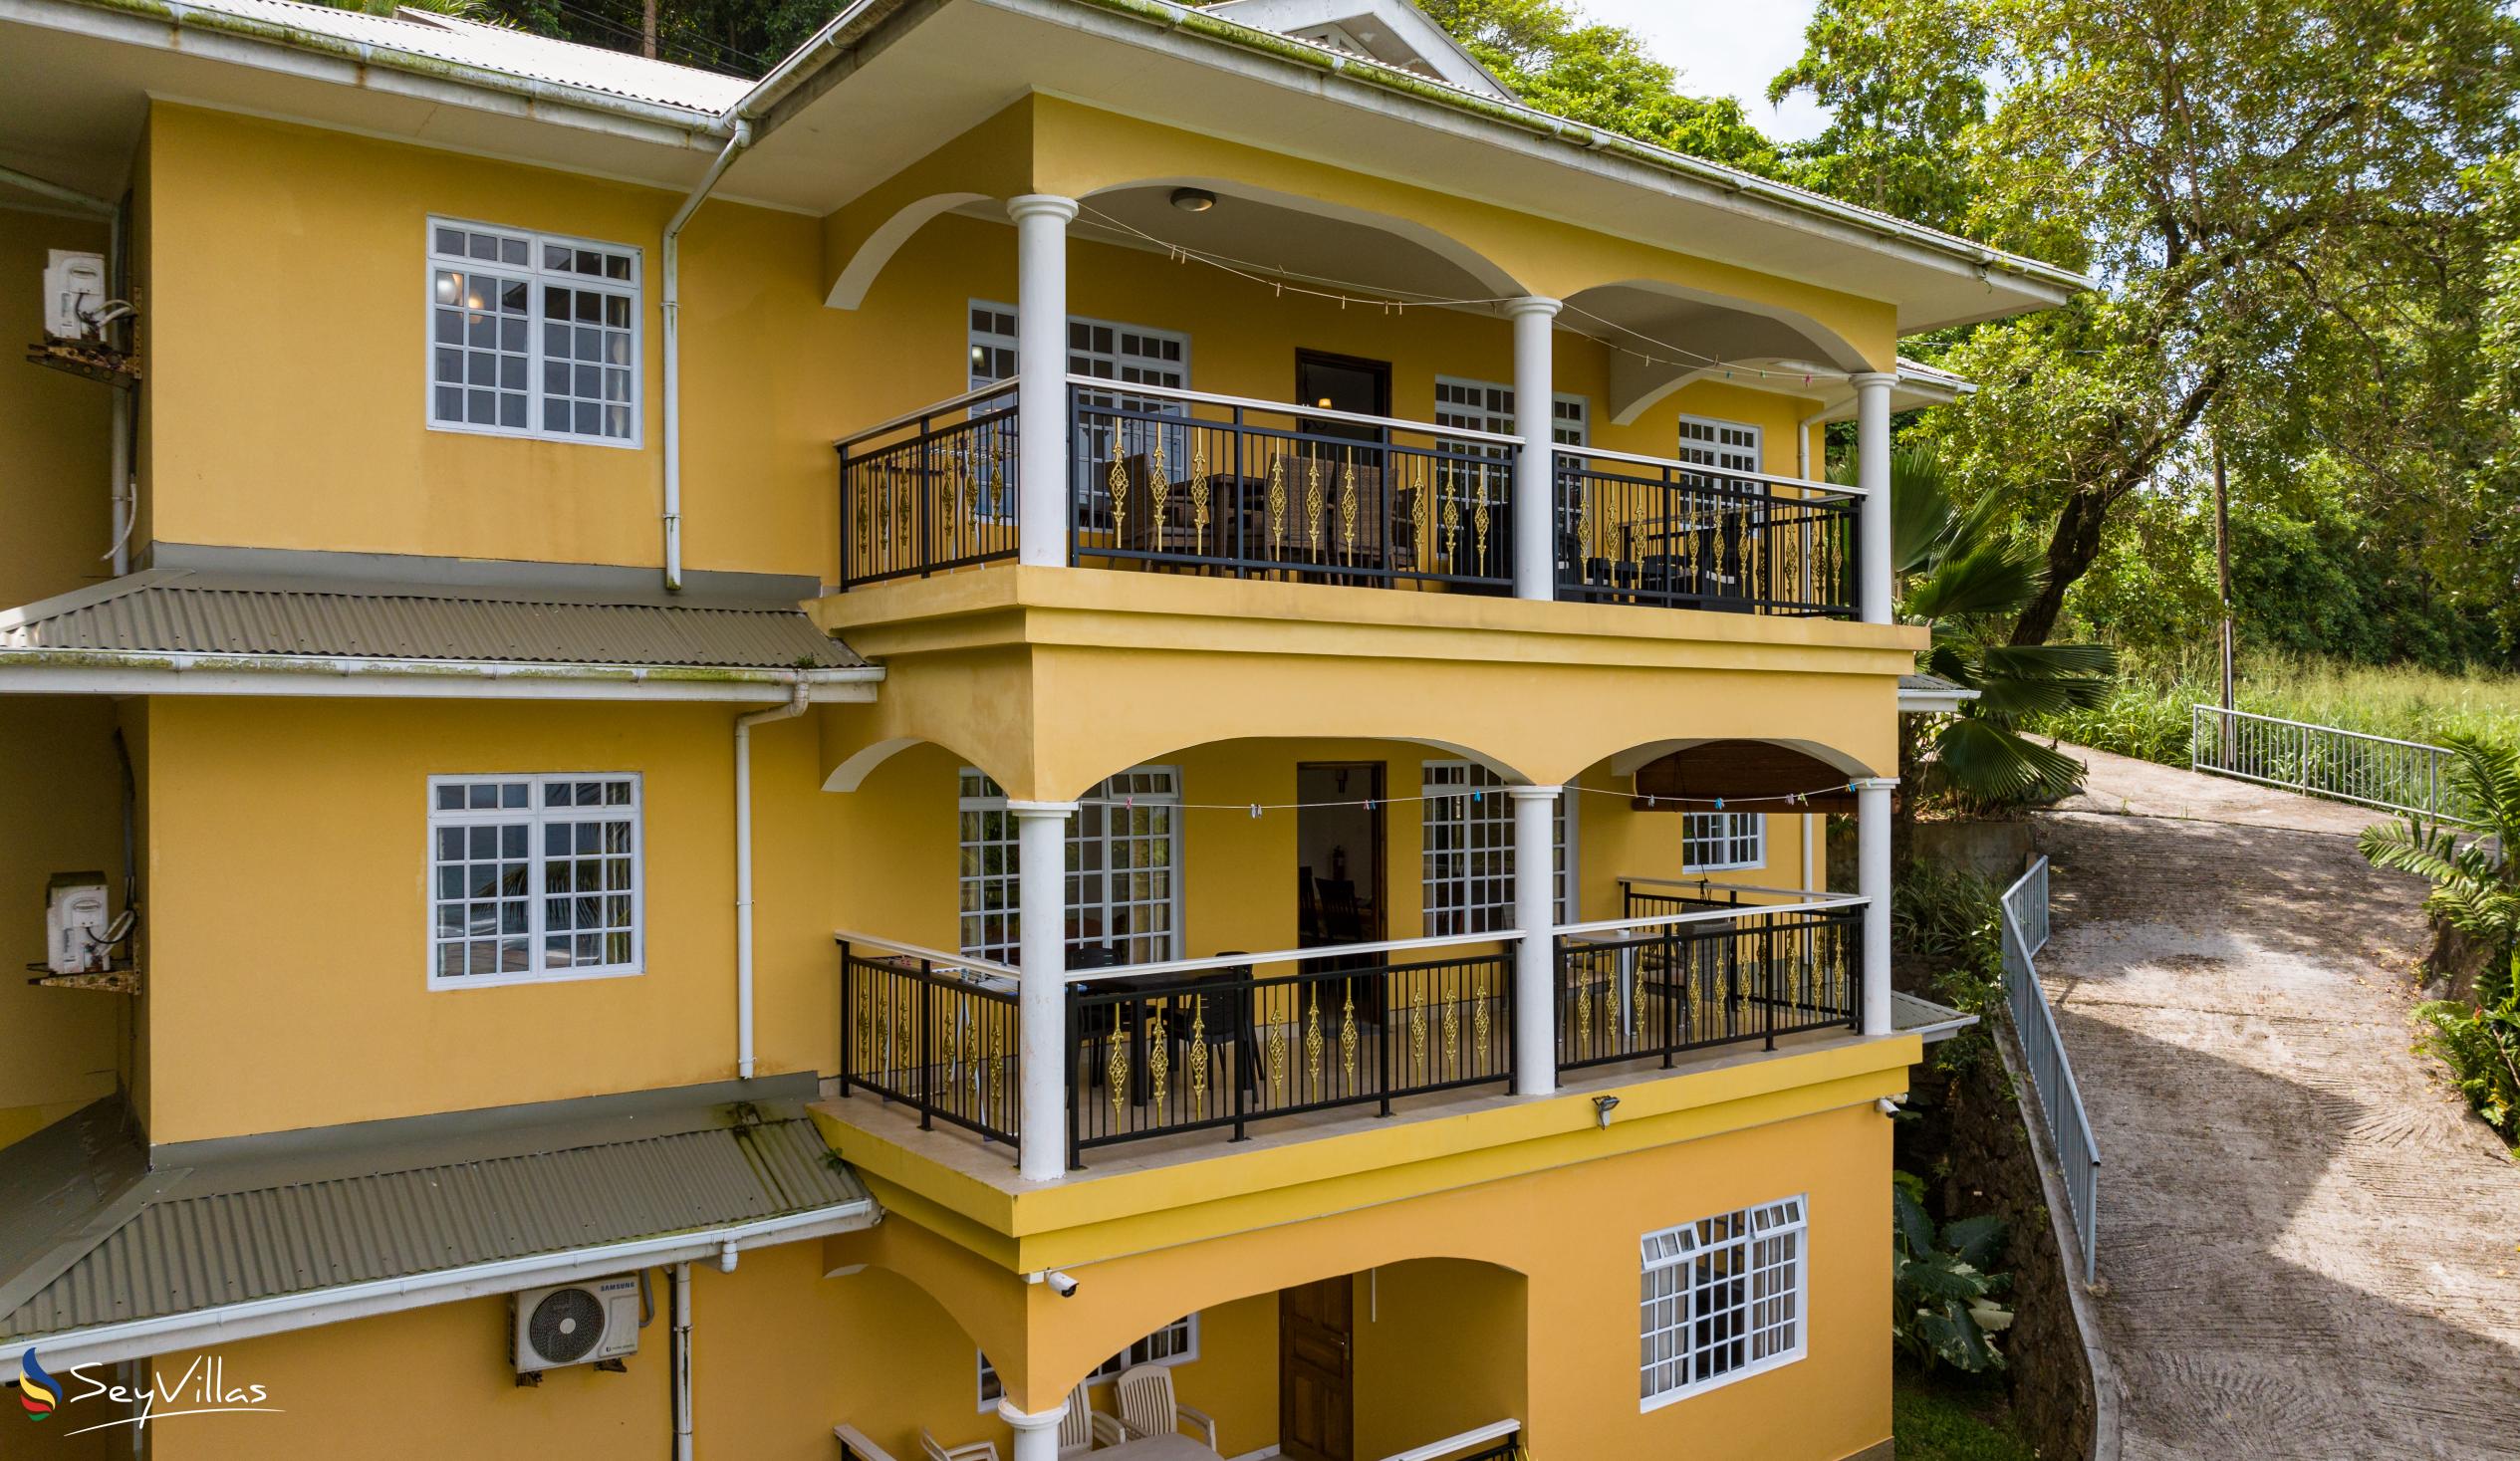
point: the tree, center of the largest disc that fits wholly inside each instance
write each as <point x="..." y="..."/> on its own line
<point x="1904" y="83"/>
<point x="1601" y="75"/>
<point x="1963" y="574"/>
<point x="2242" y="174"/>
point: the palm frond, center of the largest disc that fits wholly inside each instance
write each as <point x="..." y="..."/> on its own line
<point x="1989" y="579"/>
<point x="2051" y="662"/>
<point x="1980" y="759"/>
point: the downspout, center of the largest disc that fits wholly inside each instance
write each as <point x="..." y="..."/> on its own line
<point x="743" y="867"/>
<point x="681" y="1360"/>
<point x="672" y="296"/>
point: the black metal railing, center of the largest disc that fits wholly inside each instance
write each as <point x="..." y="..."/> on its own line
<point x="930" y="493"/>
<point x="1247" y="489"/>
<point x="932" y="1039"/>
<point x="1687" y="536"/>
<point x="1663" y="898"/>
<point x="1687" y="986"/>
<point x="1156" y="1056"/>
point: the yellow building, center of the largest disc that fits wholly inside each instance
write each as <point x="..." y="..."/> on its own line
<point x="1084" y="726"/>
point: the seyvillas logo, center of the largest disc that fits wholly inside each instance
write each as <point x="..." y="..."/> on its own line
<point x="38" y="1391"/>
<point x="203" y="1388"/>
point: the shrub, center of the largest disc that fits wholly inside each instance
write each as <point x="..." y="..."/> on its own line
<point x="1945" y="1311"/>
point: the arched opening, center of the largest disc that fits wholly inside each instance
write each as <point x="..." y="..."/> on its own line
<point x="1666" y="335"/>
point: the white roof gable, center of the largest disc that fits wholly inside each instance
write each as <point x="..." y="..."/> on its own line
<point x="1393" y="32"/>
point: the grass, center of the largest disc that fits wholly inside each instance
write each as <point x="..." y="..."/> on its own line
<point x="2148" y="714"/>
<point x="1940" y="1418"/>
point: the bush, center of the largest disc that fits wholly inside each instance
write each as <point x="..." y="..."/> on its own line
<point x="2481" y="1046"/>
<point x="1945" y="1306"/>
<point x="1950" y="920"/>
<point x="2144" y="720"/>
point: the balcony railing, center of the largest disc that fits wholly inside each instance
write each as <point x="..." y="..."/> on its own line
<point x="1190" y="482"/>
<point x="931" y="492"/>
<point x="1159" y="1054"/>
<point x="934" y="1032"/>
<point x="1641" y="529"/>
<point x="1254" y="489"/>
<point x="1662" y="983"/>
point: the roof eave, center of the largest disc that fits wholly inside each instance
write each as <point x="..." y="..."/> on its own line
<point x="71" y="672"/>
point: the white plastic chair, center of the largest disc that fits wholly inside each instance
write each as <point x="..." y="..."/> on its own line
<point x="938" y="1451"/>
<point x="1147" y="1407"/>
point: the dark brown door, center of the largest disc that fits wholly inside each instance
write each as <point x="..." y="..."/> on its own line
<point x="1342" y="384"/>
<point x="1338" y="853"/>
<point x="1316" y="1372"/>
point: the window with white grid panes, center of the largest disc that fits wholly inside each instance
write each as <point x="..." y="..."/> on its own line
<point x="1722" y="1297"/>
<point x="1105" y="351"/>
<point x="1722" y="841"/>
<point x="1484" y="405"/>
<point x="533" y="335"/>
<point x="1175" y="1343"/>
<point x="533" y="877"/>
<point x="1467" y="858"/>
<point x="1123" y="852"/>
<point x="1727" y="444"/>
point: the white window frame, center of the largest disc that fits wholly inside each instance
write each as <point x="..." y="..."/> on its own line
<point x="1467" y="795"/>
<point x="1741" y="838"/>
<point x="1737" y="1256"/>
<point x="1179" y="1342"/>
<point x="536" y="816"/>
<point x="979" y="797"/>
<point x="1569" y="417"/>
<point x="1712" y="449"/>
<point x="1111" y="364"/>
<point x="537" y="276"/>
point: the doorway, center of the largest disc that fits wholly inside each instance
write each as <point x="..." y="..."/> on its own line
<point x="1316" y="1371"/>
<point x="1338" y="853"/>
<point x="1342" y="384"/>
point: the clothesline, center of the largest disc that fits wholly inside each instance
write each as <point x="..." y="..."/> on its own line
<point x="1475" y="795"/>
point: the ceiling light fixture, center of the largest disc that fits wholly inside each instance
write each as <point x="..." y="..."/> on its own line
<point x="1193" y="199"/>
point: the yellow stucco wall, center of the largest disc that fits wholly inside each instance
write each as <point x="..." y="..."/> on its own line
<point x="261" y="437"/>
<point x="273" y="437"/>
<point x="64" y="1044"/>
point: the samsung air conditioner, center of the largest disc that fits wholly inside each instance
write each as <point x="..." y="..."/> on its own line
<point x="575" y="1324"/>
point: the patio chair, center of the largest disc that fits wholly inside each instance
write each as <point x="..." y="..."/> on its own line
<point x="1147" y="1407"/>
<point x="1084" y="1428"/>
<point x="936" y="1450"/>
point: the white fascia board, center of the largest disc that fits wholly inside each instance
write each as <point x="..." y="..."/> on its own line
<point x="37" y="673"/>
<point x="169" y="25"/>
<point x="227" y="1324"/>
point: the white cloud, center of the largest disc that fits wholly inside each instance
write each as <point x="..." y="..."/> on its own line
<point x="1727" y="49"/>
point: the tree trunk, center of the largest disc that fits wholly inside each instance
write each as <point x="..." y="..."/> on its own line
<point x="2070" y="553"/>
<point x="648" y="29"/>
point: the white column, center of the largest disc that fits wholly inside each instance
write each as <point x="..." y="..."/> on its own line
<point x="1534" y="420"/>
<point x="1036" y="1432"/>
<point x="1873" y="859"/>
<point x="1872" y="473"/>
<point x="1041" y="361"/>
<point x="1534" y="956"/>
<point x="1041" y="1006"/>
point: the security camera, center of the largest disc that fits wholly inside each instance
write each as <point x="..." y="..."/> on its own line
<point x="1063" y="1284"/>
<point x="1603" y="1106"/>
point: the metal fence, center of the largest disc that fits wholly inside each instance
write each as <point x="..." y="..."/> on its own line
<point x="2025" y="920"/>
<point x="2323" y="761"/>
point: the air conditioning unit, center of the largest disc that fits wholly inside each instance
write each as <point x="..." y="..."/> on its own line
<point x="73" y="294"/>
<point x="75" y="926"/>
<point x="575" y="1324"/>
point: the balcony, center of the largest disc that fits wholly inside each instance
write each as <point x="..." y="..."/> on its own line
<point x="1210" y="1050"/>
<point x="1184" y="482"/>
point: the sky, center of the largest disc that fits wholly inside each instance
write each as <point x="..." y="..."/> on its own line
<point x="1726" y="48"/>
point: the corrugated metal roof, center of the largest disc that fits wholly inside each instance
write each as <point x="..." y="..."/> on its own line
<point x="1922" y="1016"/>
<point x="185" y="611"/>
<point x="1933" y="684"/>
<point x="498" y="49"/>
<point x="181" y="1253"/>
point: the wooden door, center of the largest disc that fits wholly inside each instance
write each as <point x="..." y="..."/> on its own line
<point x="1316" y="1372"/>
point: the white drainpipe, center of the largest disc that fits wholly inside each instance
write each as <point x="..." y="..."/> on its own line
<point x="743" y="867"/>
<point x="672" y="296"/>
<point x="682" y="1361"/>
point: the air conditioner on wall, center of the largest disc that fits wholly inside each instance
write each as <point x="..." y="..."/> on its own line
<point x="575" y="1324"/>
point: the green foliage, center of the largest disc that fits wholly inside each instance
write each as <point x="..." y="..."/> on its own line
<point x="2481" y="1046"/>
<point x="1936" y="1420"/>
<point x="1964" y="574"/>
<point x="1602" y="75"/>
<point x="1943" y="1306"/>
<point x="2476" y="890"/>
<point x="1949" y="920"/>
<point x="1904" y="83"/>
